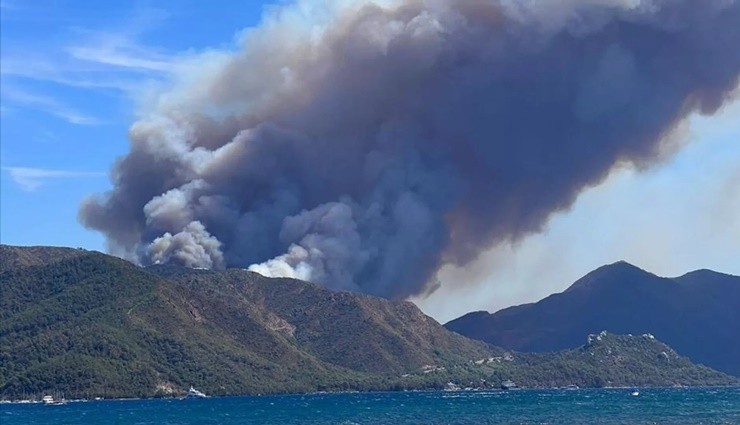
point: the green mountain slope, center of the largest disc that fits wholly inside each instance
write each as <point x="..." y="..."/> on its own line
<point x="95" y="324"/>
<point x="612" y="360"/>
<point x="87" y="324"/>
<point x="356" y="331"/>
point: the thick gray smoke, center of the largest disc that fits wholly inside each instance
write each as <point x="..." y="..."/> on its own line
<point x="365" y="145"/>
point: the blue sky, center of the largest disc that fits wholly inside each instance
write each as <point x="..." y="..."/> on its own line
<point x="74" y="75"/>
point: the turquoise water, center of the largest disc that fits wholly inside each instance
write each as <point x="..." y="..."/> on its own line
<point x="586" y="406"/>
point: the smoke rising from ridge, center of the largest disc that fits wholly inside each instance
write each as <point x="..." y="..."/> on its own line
<point x="363" y="146"/>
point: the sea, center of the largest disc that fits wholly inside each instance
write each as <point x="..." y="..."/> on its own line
<point x="581" y="406"/>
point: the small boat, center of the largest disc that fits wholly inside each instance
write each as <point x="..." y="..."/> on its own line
<point x="193" y="393"/>
<point x="634" y="392"/>
<point x="49" y="401"/>
<point x="571" y="387"/>
<point x="508" y="385"/>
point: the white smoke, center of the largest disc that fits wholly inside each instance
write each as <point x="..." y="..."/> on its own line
<point x="192" y="247"/>
<point x="324" y="246"/>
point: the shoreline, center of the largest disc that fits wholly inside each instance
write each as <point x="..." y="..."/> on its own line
<point x="322" y="393"/>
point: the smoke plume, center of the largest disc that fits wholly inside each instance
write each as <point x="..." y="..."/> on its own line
<point x="363" y="145"/>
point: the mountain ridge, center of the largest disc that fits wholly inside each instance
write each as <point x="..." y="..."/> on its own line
<point x="88" y="324"/>
<point x="698" y="313"/>
<point x="140" y="330"/>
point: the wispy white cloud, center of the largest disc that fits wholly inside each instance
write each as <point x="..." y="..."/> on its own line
<point x="49" y="105"/>
<point x="121" y="51"/>
<point x="67" y="73"/>
<point x="121" y="47"/>
<point x="30" y="179"/>
<point x="113" y="58"/>
<point x="115" y="64"/>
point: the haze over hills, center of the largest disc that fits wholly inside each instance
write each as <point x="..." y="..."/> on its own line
<point x="88" y="324"/>
<point x="698" y="314"/>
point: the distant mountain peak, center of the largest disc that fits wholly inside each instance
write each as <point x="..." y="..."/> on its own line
<point x="476" y="314"/>
<point x="613" y="273"/>
<point x="702" y="275"/>
<point x="621" y="265"/>
<point x="697" y="313"/>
